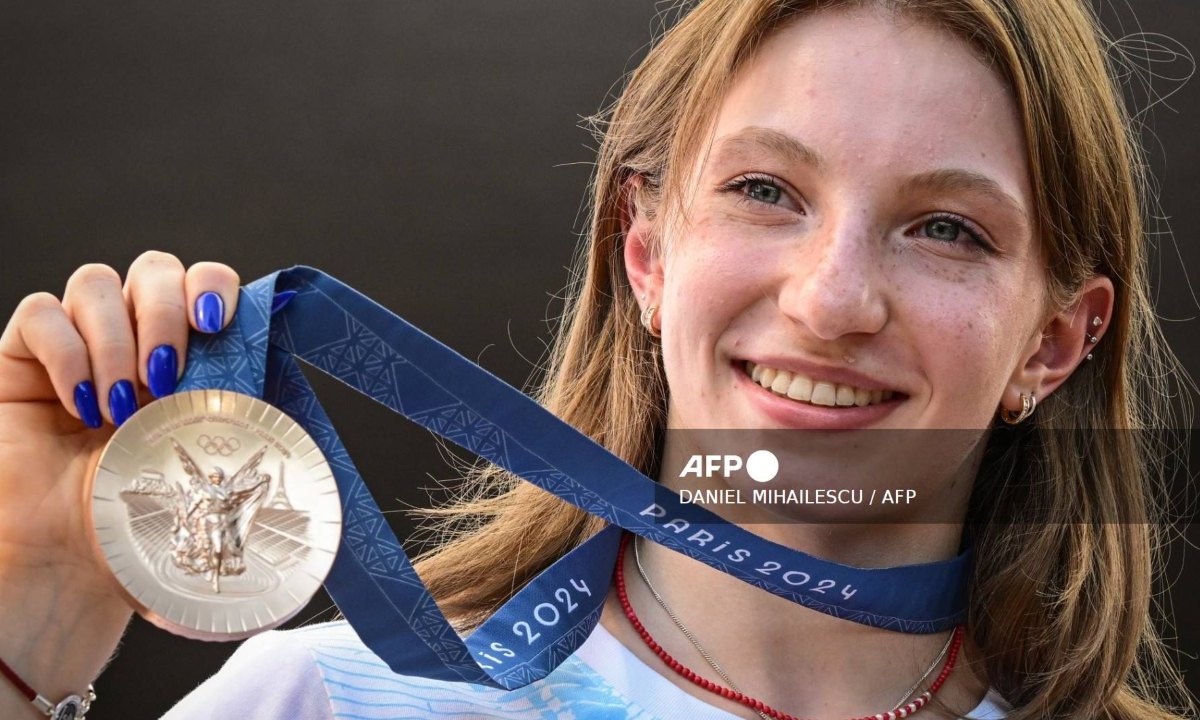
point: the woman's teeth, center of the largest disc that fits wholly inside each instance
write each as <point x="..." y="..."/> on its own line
<point x="816" y="392"/>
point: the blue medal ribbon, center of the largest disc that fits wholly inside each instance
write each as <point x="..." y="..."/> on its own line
<point x="337" y="330"/>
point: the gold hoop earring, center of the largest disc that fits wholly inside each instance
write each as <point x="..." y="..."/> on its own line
<point x="1028" y="403"/>
<point x="648" y="321"/>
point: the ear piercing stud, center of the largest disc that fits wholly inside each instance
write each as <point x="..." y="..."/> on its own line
<point x="1093" y="339"/>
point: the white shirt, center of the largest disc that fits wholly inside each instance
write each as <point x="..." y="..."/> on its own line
<point x="324" y="672"/>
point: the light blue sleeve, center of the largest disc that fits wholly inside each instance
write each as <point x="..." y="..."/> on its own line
<point x="271" y="676"/>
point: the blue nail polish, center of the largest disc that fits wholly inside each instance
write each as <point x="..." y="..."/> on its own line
<point x="87" y="404"/>
<point x="210" y="312"/>
<point x="162" y="370"/>
<point x="281" y="299"/>
<point x="122" y="402"/>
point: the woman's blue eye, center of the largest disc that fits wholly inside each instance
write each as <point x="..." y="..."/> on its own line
<point x="758" y="190"/>
<point x="763" y="192"/>
<point x="952" y="230"/>
<point x="943" y="230"/>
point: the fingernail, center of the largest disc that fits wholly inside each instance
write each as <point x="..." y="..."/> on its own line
<point x="281" y="299"/>
<point x="162" y="370"/>
<point x="122" y="402"/>
<point x="87" y="404"/>
<point x="210" y="312"/>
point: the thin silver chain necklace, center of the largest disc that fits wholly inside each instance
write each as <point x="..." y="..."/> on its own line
<point x="637" y="558"/>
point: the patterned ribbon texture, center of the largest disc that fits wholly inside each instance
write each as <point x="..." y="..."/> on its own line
<point x="335" y="329"/>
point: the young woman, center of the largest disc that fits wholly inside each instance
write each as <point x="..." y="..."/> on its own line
<point x="906" y="215"/>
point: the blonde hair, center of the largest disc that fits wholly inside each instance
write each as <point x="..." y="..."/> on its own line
<point x="1061" y="598"/>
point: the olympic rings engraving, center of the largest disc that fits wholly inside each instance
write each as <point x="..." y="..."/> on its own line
<point x="217" y="445"/>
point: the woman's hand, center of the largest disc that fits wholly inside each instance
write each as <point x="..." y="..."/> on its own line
<point x="71" y="370"/>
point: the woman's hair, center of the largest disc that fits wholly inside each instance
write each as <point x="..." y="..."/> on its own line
<point x="1065" y="513"/>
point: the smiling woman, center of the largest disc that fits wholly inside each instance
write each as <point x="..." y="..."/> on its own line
<point x="919" y="216"/>
<point x="908" y="215"/>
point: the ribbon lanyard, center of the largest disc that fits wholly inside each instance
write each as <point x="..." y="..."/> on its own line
<point x="339" y="331"/>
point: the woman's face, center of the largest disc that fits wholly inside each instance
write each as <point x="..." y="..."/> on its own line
<point x="861" y="228"/>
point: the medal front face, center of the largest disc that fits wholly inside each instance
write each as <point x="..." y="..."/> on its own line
<point x="216" y="513"/>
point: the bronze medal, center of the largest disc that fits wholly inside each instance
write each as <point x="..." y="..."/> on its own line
<point x="216" y="513"/>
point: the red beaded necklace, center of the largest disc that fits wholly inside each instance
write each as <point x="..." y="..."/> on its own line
<point x="753" y="703"/>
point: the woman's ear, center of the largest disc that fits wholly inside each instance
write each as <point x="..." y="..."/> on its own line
<point x="1066" y="341"/>
<point x="643" y="260"/>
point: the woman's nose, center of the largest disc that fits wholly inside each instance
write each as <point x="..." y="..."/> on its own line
<point x="834" y="283"/>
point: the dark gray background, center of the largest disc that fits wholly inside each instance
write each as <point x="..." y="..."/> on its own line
<point x="426" y="152"/>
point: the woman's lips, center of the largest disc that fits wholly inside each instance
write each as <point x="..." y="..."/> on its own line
<point x="798" y="414"/>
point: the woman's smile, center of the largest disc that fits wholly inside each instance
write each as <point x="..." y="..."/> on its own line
<point x="798" y="414"/>
<point x="815" y="400"/>
<point x="819" y="387"/>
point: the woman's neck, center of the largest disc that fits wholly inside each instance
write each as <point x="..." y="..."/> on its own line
<point x="797" y="660"/>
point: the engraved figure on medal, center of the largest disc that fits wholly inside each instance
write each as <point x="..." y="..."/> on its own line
<point x="226" y="546"/>
<point x="214" y="517"/>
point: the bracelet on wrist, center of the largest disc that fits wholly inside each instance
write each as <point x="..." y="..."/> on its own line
<point x="72" y="707"/>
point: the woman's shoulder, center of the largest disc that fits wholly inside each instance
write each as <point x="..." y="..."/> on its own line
<point x="325" y="671"/>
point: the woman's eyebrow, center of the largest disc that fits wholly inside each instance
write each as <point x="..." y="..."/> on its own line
<point x="753" y="140"/>
<point x="951" y="180"/>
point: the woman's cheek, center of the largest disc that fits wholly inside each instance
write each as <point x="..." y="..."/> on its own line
<point x="966" y="362"/>
<point x="713" y="270"/>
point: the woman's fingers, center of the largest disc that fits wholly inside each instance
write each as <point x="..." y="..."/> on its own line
<point x="212" y="293"/>
<point x="154" y="290"/>
<point x="40" y="331"/>
<point x="164" y="298"/>
<point x="95" y="303"/>
<point x="103" y="339"/>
